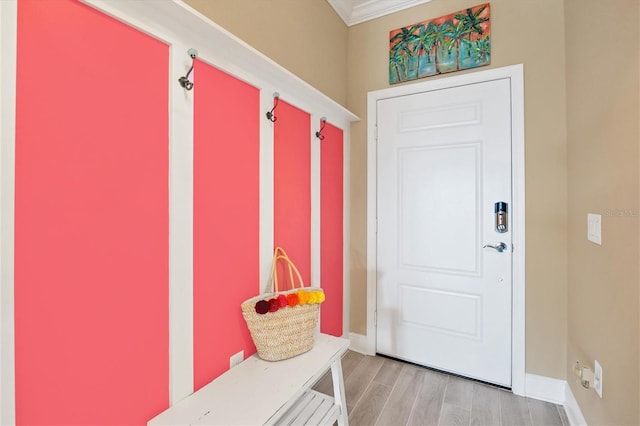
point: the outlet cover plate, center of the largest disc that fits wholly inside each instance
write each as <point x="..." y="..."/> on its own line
<point x="597" y="378"/>
<point x="594" y="228"/>
<point x="236" y="359"/>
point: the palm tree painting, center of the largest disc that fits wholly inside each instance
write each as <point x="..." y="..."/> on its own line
<point x="454" y="42"/>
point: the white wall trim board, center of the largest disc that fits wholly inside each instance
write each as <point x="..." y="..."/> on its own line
<point x="359" y="343"/>
<point x="346" y="229"/>
<point x="545" y="388"/>
<point x="316" y="271"/>
<point x="555" y="391"/>
<point x="343" y="9"/>
<point x="518" y="337"/>
<point x="316" y="187"/>
<point x="180" y="229"/>
<point x="515" y="74"/>
<point x="571" y="407"/>
<point x="266" y="189"/>
<point x="8" y="40"/>
<point x="355" y="12"/>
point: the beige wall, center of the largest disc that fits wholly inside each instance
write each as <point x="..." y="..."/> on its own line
<point x="580" y="96"/>
<point x="603" y="146"/>
<point x="515" y="38"/>
<point x="306" y="37"/>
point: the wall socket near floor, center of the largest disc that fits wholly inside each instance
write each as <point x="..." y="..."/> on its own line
<point x="236" y="359"/>
<point x="597" y="378"/>
<point x="589" y="379"/>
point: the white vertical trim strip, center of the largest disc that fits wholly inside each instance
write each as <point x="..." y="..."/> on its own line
<point x="316" y="276"/>
<point x="266" y="186"/>
<point x="180" y="228"/>
<point x="315" y="201"/>
<point x="370" y="345"/>
<point x="515" y="74"/>
<point x="346" y="229"/>
<point x="518" y="340"/>
<point x="8" y="40"/>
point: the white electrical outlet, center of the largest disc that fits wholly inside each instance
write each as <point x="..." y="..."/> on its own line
<point x="597" y="379"/>
<point x="594" y="228"/>
<point x="236" y="359"/>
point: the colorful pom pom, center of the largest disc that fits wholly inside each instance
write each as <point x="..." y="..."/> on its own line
<point x="262" y="307"/>
<point x="303" y="297"/>
<point x="292" y="299"/>
<point x="282" y="301"/>
<point x="273" y="305"/>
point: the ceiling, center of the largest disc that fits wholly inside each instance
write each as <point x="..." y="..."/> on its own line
<point x="356" y="11"/>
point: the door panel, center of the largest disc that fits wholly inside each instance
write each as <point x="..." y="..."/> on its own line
<point x="430" y="178"/>
<point x="444" y="159"/>
<point x="444" y="311"/>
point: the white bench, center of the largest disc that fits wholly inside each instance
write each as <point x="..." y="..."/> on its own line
<point x="258" y="392"/>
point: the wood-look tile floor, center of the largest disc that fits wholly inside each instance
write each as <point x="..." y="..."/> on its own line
<point x="382" y="391"/>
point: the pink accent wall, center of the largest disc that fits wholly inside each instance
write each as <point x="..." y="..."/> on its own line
<point x="226" y="217"/>
<point x="91" y="219"/>
<point x="331" y="230"/>
<point x="292" y="187"/>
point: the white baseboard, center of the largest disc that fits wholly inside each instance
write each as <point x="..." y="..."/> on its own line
<point x="360" y="344"/>
<point x="571" y="407"/>
<point x="557" y="392"/>
<point x="545" y="388"/>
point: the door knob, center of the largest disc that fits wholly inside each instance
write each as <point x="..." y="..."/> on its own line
<point x="499" y="248"/>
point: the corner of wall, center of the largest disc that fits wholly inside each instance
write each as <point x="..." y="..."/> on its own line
<point x="360" y="344"/>
<point x="572" y="408"/>
<point x="557" y="392"/>
<point x="545" y="388"/>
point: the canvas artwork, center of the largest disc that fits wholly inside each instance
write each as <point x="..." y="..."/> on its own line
<point x="453" y="42"/>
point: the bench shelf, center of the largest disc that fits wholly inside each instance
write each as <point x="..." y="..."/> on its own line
<point x="258" y="392"/>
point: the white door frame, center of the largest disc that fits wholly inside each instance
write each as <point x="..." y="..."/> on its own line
<point x="515" y="74"/>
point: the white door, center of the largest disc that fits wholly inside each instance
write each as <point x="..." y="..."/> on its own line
<point x="444" y="160"/>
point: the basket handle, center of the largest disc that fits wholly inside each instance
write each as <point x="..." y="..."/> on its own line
<point x="292" y="268"/>
<point x="278" y="252"/>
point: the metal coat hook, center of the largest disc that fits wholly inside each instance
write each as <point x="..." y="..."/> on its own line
<point x="323" y="122"/>
<point x="184" y="81"/>
<point x="270" y="115"/>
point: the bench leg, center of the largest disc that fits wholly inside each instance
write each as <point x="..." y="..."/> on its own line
<point x="338" y="392"/>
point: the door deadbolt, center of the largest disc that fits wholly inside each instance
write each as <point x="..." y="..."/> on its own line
<point x="501" y="210"/>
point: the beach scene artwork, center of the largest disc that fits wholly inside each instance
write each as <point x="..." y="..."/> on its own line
<point x="453" y="42"/>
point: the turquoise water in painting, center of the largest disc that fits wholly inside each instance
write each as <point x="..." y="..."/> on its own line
<point x="412" y="67"/>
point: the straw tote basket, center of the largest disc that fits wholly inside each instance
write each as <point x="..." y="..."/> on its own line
<point x="282" y="323"/>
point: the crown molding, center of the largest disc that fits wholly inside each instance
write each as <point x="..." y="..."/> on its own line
<point x="355" y="12"/>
